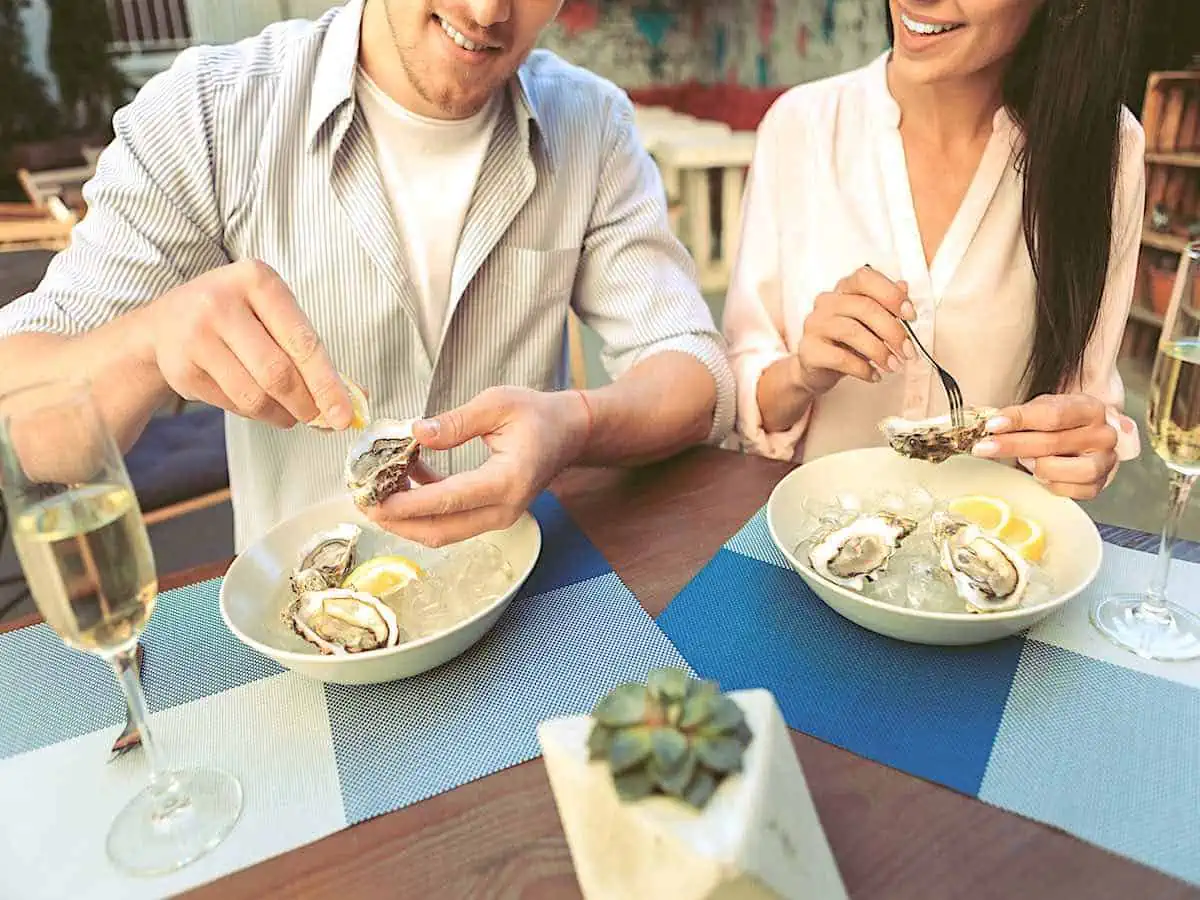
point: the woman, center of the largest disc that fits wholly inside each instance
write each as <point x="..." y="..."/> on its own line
<point x="982" y="180"/>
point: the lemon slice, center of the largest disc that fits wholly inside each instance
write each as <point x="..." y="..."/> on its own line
<point x="1025" y="536"/>
<point x="360" y="411"/>
<point x="990" y="513"/>
<point x="381" y="574"/>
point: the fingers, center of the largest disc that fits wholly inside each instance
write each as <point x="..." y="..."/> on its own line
<point x="290" y="328"/>
<point x="885" y="328"/>
<point x="466" y="491"/>
<point x="893" y="296"/>
<point x="477" y="417"/>
<point x="267" y="363"/>
<point x="817" y="354"/>
<point x="221" y="366"/>
<point x="1049" y="413"/>
<point x="438" y="531"/>
<point x="1033" y="444"/>
<point x="422" y="473"/>
<point x="1090" y="469"/>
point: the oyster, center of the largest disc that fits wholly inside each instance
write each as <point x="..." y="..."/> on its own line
<point x="379" y="460"/>
<point x="326" y="559"/>
<point x="937" y="439"/>
<point x="988" y="574"/>
<point x="859" y="552"/>
<point x="341" y="621"/>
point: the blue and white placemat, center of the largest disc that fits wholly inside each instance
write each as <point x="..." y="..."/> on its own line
<point x="1057" y="725"/>
<point x="312" y="758"/>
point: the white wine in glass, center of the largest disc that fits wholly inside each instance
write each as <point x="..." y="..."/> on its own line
<point x="1148" y="624"/>
<point x="79" y="534"/>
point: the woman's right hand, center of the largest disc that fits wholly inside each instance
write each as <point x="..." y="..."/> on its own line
<point x="854" y="330"/>
<point x="236" y="338"/>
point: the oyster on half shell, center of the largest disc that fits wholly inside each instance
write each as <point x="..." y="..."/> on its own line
<point x="379" y="460"/>
<point x="326" y="558"/>
<point x="340" y="621"/>
<point x="989" y="575"/>
<point x="859" y="552"/>
<point x="936" y="439"/>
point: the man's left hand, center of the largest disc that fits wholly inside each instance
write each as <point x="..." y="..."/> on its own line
<point x="1066" y="438"/>
<point x="532" y="435"/>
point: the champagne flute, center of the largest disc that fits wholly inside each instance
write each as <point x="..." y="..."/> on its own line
<point x="1147" y="623"/>
<point x="82" y="543"/>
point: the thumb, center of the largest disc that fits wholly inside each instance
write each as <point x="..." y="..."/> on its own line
<point x="456" y="426"/>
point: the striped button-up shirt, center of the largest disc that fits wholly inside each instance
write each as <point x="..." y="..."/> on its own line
<point x="258" y="150"/>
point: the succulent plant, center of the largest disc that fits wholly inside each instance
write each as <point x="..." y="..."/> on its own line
<point x="673" y="735"/>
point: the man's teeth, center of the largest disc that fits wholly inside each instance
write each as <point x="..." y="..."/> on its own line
<point x="459" y="38"/>
<point x="924" y="28"/>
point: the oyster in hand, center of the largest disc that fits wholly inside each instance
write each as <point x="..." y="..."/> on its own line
<point x="379" y="461"/>
<point x="936" y="439"/>
<point x="988" y="574"/>
<point x="339" y="621"/>
<point x="860" y="551"/>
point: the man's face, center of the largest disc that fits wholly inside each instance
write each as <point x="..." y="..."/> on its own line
<point x="456" y="53"/>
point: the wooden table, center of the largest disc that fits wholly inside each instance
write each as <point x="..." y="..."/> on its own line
<point x="894" y="836"/>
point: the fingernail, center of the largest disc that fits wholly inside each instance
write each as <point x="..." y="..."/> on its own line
<point x="893" y="364"/>
<point x="432" y="426"/>
<point x="875" y="376"/>
<point x="985" y="448"/>
<point x="998" y="423"/>
<point x="908" y="310"/>
<point x="910" y="352"/>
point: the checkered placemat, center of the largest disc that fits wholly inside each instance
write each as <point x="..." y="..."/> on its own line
<point x="1058" y="724"/>
<point x="312" y="758"/>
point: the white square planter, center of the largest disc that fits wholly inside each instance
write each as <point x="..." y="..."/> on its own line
<point x="758" y="837"/>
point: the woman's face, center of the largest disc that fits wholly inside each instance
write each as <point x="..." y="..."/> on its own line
<point x="939" y="40"/>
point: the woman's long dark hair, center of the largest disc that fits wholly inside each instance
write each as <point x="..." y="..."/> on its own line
<point x="1065" y="86"/>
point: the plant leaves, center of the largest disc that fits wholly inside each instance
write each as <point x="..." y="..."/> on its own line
<point x="623" y="705"/>
<point x="725" y="718"/>
<point x="599" y="740"/>
<point x="723" y="754"/>
<point x="629" y="747"/>
<point x="668" y="683"/>
<point x="634" y="785"/>
<point x="699" y="705"/>
<point x="676" y="781"/>
<point x="670" y="748"/>
<point x="701" y="788"/>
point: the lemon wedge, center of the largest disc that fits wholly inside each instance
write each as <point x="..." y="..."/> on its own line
<point x="990" y="513"/>
<point x="1025" y="536"/>
<point x="360" y="411"/>
<point x="381" y="574"/>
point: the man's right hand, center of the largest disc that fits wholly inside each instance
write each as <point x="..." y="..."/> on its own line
<point x="236" y="338"/>
<point x="854" y="330"/>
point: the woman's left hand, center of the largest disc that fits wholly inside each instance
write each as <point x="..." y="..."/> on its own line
<point x="1066" y="438"/>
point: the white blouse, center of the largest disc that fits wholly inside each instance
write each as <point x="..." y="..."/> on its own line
<point x="828" y="191"/>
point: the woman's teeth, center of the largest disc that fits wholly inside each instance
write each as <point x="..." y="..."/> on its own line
<point x="925" y="28"/>
<point x="459" y="38"/>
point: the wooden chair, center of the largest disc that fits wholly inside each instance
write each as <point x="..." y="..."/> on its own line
<point x="25" y="226"/>
<point x="64" y="184"/>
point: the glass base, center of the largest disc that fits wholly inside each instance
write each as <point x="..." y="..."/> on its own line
<point x="1151" y="631"/>
<point x="160" y="831"/>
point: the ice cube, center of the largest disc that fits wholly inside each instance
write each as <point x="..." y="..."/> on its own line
<point x="930" y="590"/>
<point x="919" y="503"/>
<point x="1040" y="589"/>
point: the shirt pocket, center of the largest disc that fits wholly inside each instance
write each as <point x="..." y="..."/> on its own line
<point x="527" y="274"/>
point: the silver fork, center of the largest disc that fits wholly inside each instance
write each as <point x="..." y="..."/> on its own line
<point x="953" y="393"/>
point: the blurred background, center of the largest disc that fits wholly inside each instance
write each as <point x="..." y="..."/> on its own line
<point x="702" y="72"/>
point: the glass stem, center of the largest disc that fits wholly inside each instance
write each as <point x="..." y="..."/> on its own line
<point x="163" y="783"/>
<point x="1180" y="490"/>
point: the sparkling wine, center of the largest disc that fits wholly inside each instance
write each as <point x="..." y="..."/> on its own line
<point x="89" y="566"/>
<point x="1174" y="415"/>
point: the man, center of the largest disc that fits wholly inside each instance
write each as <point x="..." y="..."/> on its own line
<point x="404" y="192"/>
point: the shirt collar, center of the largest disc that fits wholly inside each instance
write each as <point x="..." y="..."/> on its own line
<point x="334" y="75"/>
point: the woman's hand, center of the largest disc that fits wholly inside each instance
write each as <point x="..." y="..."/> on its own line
<point x="1066" y="437"/>
<point x="854" y="330"/>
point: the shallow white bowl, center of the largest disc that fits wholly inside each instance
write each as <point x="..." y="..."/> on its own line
<point x="256" y="589"/>
<point x="1073" y="545"/>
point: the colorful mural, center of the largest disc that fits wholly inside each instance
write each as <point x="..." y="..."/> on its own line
<point x="752" y="43"/>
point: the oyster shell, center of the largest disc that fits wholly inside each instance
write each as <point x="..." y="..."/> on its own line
<point x="340" y="621"/>
<point x="859" y="552"/>
<point x="989" y="575"/>
<point x="326" y="558"/>
<point x="936" y="439"/>
<point x="379" y="460"/>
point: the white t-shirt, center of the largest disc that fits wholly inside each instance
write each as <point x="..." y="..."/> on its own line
<point x="429" y="169"/>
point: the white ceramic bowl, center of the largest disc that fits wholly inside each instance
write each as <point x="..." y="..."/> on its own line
<point x="1073" y="545"/>
<point x="256" y="589"/>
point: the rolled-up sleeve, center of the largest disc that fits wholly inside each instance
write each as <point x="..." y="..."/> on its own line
<point x="1100" y="377"/>
<point x="636" y="284"/>
<point x="754" y="321"/>
<point x="152" y="220"/>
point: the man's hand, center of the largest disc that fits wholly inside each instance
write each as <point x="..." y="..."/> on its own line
<point x="236" y="338"/>
<point x="532" y="435"/>
<point x="1066" y="436"/>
